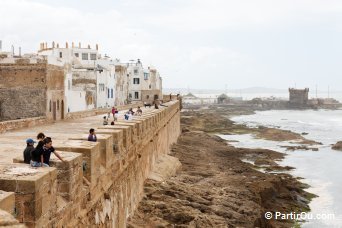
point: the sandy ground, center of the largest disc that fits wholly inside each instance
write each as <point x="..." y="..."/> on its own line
<point x="214" y="187"/>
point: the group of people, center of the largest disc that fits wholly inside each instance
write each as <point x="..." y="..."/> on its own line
<point x="130" y="113"/>
<point x="39" y="156"/>
<point x="106" y="118"/>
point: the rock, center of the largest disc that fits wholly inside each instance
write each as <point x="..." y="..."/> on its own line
<point x="261" y="161"/>
<point x="337" y="146"/>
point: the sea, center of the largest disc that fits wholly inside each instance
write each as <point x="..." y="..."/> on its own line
<point x="320" y="169"/>
<point x="280" y="96"/>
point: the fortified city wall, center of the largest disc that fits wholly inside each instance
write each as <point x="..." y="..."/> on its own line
<point x="100" y="184"/>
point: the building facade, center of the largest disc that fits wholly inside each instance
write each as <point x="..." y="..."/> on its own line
<point x="30" y="87"/>
<point x="57" y="80"/>
<point x="121" y="84"/>
<point x="144" y="84"/>
<point x="90" y="78"/>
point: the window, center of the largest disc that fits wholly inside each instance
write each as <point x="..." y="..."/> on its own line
<point x="60" y="55"/>
<point x="101" y="87"/>
<point x="57" y="104"/>
<point x="108" y="93"/>
<point x="50" y="106"/>
<point x="77" y="55"/>
<point x="92" y="56"/>
<point x="84" y="56"/>
<point x="136" y="95"/>
<point x="146" y="76"/>
<point x="136" y="81"/>
<point x="150" y="86"/>
<point x="135" y="71"/>
<point x="111" y="90"/>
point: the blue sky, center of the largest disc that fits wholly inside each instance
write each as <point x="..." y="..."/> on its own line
<point x="195" y="43"/>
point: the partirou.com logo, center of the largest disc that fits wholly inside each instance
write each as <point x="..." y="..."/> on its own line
<point x="298" y="216"/>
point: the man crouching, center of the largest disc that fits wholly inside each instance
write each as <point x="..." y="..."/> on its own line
<point x="41" y="155"/>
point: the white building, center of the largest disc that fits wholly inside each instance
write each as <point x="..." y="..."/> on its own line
<point x="90" y="79"/>
<point x="121" y="84"/>
<point x="144" y="84"/>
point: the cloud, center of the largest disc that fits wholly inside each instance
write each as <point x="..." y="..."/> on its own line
<point x="199" y="15"/>
<point x="195" y="42"/>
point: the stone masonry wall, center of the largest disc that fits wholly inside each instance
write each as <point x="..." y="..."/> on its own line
<point x="101" y="183"/>
<point x="21" y="103"/>
<point x="26" y="90"/>
<point x="22" y="91"/>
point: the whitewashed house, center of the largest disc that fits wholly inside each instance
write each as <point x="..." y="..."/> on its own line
<point x="144" y="84"/>
<point x="89" y="78"/>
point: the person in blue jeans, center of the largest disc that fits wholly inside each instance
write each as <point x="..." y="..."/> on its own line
<point x="41" y="155"/>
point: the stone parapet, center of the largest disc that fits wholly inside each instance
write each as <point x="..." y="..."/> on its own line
<point x="100" y="183"/>
<point x="7" y="202"/>
<point x="22" y="123"/>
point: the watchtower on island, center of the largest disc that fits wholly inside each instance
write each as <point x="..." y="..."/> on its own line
<point x="298" y="97"/>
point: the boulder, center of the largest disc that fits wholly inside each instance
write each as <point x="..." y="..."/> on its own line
<point x="337" y="146"/>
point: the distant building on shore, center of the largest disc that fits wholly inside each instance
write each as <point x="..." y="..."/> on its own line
<point x="223" y="99"/>
<point x="299" y="97"/>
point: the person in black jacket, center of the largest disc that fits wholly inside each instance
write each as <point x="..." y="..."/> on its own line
<point x="40" y="138"/>
<point x="28" y="150"/>
<point x="41" y="155"/>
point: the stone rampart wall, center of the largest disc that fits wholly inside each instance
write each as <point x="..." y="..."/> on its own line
<point x="93" y="112"/>
<point x="101" y="183"/>
<point x="22" y="123"/>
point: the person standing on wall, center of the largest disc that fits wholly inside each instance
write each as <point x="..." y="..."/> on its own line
<point x="113" y="112"/>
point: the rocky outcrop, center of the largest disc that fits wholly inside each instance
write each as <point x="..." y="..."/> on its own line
<point x="337" y="146"/>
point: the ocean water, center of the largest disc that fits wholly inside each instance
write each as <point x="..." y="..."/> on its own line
<point x="283" y="96"/>
<point x="320" y="169"/>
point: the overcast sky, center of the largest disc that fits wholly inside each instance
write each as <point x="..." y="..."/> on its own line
<point x="195" y="43"/>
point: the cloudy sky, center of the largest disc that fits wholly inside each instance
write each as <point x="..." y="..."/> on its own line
<point x="195" y="43"/>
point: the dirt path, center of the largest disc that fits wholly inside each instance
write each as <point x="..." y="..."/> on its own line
<point x="214" y="187"/>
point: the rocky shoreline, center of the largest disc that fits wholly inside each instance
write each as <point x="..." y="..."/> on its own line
<point x="215" y="187"/>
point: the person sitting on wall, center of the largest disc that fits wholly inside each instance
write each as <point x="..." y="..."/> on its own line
<point x="92" y="136"/>
<point x="147" y="105"/>
<point x="28" y="150"/>
<point x="128" y="115"/>
<point x="105" y="120"/>
<point x="41" y="155"/>
<point x="139" y="111"/>
<point x="156" y="104"/>
<point x="40" y="138"/>
<point x="131" y="111"/>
